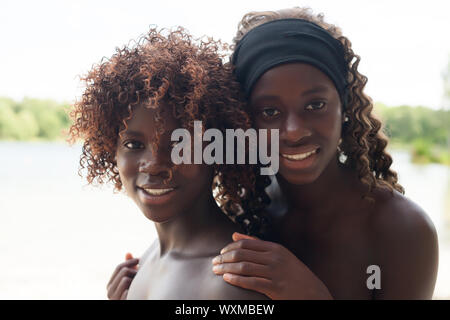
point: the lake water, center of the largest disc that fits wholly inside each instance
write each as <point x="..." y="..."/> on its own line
<point x="61" y="239"/>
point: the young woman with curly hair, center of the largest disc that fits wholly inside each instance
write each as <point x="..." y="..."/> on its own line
<point x="131" y="105"/>
<point x="348" y="231"/>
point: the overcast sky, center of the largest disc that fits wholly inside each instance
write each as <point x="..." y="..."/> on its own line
<point x="44" y="45"/>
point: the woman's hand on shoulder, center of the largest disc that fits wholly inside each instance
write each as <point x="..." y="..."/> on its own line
<point x="268" y="268"/>
<point x="122" y="277"/>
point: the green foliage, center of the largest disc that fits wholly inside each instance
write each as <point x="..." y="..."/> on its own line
<point x="405" y="124"/>
<point x="32" y="119"/>
<point x="8" y="122"/>
<point x="425" y="131"/>
<point x="423" y="151"/>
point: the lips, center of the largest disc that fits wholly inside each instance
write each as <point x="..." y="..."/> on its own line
<point x="157" y="192"/>
<point x="156" y="195"/>
<point x="304" y="159"/>
<point x="301" y="155"/>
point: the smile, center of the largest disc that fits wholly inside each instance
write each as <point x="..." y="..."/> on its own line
<point x="299" y="156"/>
<point x="156" y="196"/>
<point x="158" y="192"/>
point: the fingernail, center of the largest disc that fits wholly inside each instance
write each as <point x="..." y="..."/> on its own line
<point x="222" y="251"/>
<point x="227" y="276"/>
<point x="216" y="260"/>
<point x="216" y="268"/>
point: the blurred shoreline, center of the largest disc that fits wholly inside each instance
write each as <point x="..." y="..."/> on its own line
<point x="421" y="130"/>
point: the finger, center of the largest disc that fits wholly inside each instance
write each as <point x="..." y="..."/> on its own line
<point x="124" y="295"/>
<point x="248" y="269"/>
<point x="251" y="244"/>
<point x="260" y="285"/>
<point x="239" y="255"/>
<point x="124" y="284"/>
<point x="125" y="272"/>
<point x="128" y="256"/>
<point x="127" y="264"/>
<point x="239" y="236"/>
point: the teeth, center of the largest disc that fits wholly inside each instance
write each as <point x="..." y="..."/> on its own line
<point x="158" y="192"/>
<point x="299" y="156"/>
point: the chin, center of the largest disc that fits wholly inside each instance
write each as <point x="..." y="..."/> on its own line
<point x="158" y="218"/>
<point x="299" y="178"/>
<point x="299" y="181"/>
<point x="157" y="214"/>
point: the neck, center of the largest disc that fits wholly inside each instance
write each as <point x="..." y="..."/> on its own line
<point x="320" y="194"/>
<point x="194" y="231"/>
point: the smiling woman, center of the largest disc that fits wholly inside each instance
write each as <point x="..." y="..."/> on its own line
<point x="131" y="105"/>
<point x="318" y="111"/>
<point x="346" y="212"/>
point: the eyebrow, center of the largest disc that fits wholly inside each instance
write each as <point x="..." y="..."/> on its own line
<point x="131" y="133"/>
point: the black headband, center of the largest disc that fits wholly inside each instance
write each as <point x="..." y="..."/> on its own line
<point x="289" y="40"/>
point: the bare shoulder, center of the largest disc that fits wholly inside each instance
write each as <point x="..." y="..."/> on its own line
<point x="404" y="246"/>
<point x="396" y="217"/>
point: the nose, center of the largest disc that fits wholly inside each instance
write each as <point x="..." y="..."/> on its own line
<point x="154" y="163"/>
<point x="295" y="130"/>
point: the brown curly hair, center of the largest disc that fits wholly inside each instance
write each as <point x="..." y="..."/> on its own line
<point x="363" y="141"/>
<point x="189" y="76"/>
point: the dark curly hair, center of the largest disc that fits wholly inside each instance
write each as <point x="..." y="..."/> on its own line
<point x="363" y="141"/>
<point x="189" y="76"/>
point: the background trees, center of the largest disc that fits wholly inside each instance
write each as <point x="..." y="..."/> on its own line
<point x="423" y="131"/>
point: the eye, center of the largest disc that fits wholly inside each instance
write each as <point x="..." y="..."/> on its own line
<point x="133" y="145"/>
<point x="315" y="105"/>
<point x="270" y="112"/>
